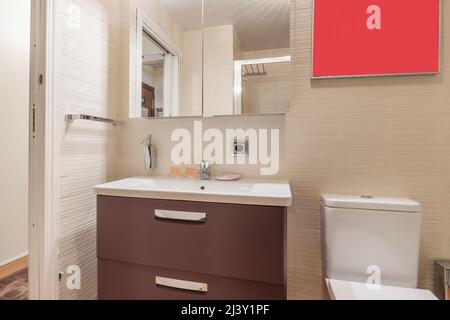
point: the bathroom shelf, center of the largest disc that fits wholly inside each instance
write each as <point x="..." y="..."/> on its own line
<point x="73" y="117"/>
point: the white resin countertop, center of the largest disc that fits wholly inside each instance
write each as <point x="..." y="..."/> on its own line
<point x="247" y="192"/>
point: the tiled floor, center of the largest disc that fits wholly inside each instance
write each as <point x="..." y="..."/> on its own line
<point x="15" y="287"/>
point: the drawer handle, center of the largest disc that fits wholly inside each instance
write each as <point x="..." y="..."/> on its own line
<point x="180" y="215"/>
<point x="181" y="284"/>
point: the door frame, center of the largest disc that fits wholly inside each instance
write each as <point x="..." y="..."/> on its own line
<point x="172" y="66"/>
<point x="43" y="164"/>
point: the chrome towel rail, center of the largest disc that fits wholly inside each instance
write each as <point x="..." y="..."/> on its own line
<point x="73" y="117"/>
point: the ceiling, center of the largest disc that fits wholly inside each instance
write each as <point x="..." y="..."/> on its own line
<point x="260" y="24"/>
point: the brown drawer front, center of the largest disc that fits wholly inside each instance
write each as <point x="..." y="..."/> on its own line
<point x="122" y="281"/>
<point x="242" y="242"/>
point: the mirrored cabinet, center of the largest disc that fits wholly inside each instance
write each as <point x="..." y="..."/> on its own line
<point x="225" y="58"/>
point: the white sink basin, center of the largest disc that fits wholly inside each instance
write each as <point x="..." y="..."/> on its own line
<point x="250" y="192"/>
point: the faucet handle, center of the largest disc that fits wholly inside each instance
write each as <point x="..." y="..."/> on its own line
<point x="204" y="171"/>
<point x="205" y="165"/>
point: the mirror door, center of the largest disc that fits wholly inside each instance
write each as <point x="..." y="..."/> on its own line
<point x="246" y="57"/>
<point x="216" y="58"/>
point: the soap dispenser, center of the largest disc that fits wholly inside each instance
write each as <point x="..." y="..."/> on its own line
<point x="149" y="154"/>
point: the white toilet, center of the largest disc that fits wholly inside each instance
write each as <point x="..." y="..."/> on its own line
<point x="371" y="248"/>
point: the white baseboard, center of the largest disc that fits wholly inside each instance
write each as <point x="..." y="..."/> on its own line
<point x="6" y="262"/>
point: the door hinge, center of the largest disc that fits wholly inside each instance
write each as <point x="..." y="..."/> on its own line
<point x="34" y="121"/>
<point x="41" y="79"/>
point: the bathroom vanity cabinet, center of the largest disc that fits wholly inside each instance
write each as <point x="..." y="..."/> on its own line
<point x="188" y="250"/>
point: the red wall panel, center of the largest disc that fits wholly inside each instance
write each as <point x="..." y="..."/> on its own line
<point x="375" y="37"/>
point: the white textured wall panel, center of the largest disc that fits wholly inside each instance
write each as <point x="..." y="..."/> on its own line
<point x="87" y="82"/>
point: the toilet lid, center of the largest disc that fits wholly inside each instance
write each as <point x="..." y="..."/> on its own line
<point x="346" y="290"/>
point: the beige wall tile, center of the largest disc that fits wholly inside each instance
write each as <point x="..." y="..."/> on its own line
<point x="367" y="160"/>
<point x="420" y="126"/>
<point x="389" y="136"/>
<point x="418" y="161"/>
<point x="373" y="126"/>
<point x="313" y="126"/>
<point x="365" y="95"/>
<point x="419" y="93"/>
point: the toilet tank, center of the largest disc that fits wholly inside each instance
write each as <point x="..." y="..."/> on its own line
<point x="371" y="236"/>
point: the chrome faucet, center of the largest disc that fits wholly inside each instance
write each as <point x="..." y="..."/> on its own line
<point x="205" y="170"/>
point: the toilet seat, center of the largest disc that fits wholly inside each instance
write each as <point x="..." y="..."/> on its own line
<point x="347" y="290"/>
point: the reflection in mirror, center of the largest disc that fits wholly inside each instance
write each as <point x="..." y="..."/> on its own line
<point x="222" y="57"/>
<point x="153" y="57"/>
<point x="262" y="85"/>
<point x="188" y="16"/>
<point x="168" y="66"/>
<point x="246" y="57"/>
